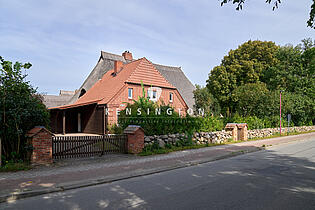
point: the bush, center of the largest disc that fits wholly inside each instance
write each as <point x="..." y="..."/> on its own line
<point x="115" y="129"/>
<point x="208" y="124"/>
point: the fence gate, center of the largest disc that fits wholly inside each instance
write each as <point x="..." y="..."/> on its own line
<point x="86" y="146"/>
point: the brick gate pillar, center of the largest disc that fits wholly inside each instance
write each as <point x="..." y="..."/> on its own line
<point x="135" y="136"/>
<point x="41" y="140"/>
<point x="242" y="130"/>
<point x="232" y="127"/>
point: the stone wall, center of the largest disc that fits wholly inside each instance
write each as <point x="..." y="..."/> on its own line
<point x="259" y="133"/>
<point x="218" y="137"/>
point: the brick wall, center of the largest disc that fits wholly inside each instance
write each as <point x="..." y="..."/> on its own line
<point x="122" y="96"/>
<point x="135" y="142"/>
<point x="41" y="140"/>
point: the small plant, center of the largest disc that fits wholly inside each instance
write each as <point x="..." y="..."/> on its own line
<point x="11" y="166"/>
<point x="115" y="129"/>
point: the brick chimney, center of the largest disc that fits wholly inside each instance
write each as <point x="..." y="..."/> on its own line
<point x="118" y="65"/>
<point x="127" y="55"/>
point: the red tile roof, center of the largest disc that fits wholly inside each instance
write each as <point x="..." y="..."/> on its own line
<point x="105" y="89"/>
<point x="36" y="130"/>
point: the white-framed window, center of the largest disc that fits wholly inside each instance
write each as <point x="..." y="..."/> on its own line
<point x="130" y="93"/>
<point x="152" y="95"/>
<point x="171" y="97"/>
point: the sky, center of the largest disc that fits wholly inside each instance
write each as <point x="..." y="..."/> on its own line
<point x="63" y="39"/>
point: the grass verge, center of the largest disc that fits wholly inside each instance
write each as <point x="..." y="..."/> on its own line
<point x="12" y="167"/>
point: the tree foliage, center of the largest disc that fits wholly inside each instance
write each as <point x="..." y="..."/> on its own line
<point x="243" y="65"/>
<point x="20" y="108"/>
<point x="276" y="3"/>
<point x="205" y="100"/>
<point x="249" y="80"/>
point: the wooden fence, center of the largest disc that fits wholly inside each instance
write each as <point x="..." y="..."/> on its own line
<point x="86" y="146"/>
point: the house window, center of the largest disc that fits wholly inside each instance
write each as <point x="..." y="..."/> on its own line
<point x="154" y="95"/>
<point x="171" y="97"/>
<point x="130" y="93"/>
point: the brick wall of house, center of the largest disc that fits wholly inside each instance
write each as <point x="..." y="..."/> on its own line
<point x="122" y="96"/>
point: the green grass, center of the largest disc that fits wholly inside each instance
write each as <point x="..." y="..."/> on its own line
<point x="12" y="167"/>
<point x="147" y="151"/>
<point x="174" y="149"/>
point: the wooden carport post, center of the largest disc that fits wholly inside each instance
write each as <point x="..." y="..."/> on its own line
<point x="104" y="119"/>
<point x="63" y="122"/>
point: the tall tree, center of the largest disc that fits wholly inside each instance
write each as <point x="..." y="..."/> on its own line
<point x="239" y="3"/>
<point x="20" y="108"/>
<point x="205" y="100"/>
<point x="241" y="66"/>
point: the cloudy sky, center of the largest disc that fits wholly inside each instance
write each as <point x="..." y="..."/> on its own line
<point x="63" y="39"/>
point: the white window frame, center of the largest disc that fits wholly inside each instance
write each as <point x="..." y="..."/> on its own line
<point x="171" y="97"/>
<point x="150" y="94"/>
<point x="130" y="90"/>
<point x="154" y="95"/>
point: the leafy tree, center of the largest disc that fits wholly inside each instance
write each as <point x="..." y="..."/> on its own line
<point x="301" y="107"/>
<point x="205" y="100"/>
<point x="295" y="70"/>
<point x="249" y="79"/>
<point x="251" y="98"/>
<point x="241" y="66"/>
<point x="20" y="108"/>
<point x="310" y="22"/>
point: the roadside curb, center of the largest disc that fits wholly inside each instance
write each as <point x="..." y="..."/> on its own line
<point x="119" y="177"/>
<point x="123" y="176"/>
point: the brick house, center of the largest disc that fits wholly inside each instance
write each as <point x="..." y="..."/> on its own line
<point x="93" y="109"/>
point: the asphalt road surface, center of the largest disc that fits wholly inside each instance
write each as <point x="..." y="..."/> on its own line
<point x="281" y="177"/>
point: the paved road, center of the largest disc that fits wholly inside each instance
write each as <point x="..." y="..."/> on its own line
<point x="281" y="177"/>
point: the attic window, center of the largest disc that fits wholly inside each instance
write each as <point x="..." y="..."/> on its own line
<point x="83" y="91"/>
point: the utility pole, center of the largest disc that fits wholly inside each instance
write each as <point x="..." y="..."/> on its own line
<point x="280" y="110"/>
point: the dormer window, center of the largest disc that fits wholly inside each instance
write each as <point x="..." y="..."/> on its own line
<point x="82" y="92"/>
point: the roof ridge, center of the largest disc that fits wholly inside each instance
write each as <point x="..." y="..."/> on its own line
<point x="111" y="53"/>
<point x="173" y="67"/>
<point x="161" y="74"/>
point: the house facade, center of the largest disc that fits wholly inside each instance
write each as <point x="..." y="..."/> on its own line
<point x="97" y="107"/>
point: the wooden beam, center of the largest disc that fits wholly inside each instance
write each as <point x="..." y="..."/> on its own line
<point x="104" y="120"/>
<point x="64" y="122"/>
